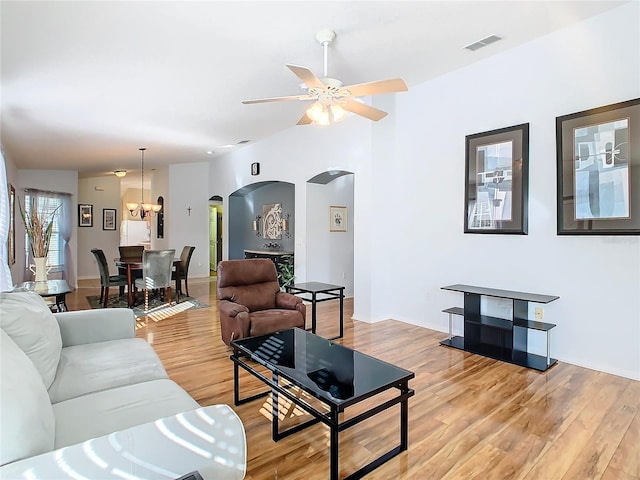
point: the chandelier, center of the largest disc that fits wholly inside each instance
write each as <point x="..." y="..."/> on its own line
<point x="144" y="209"/>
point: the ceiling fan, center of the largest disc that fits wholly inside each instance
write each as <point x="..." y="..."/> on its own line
<point x="332" y="100"/>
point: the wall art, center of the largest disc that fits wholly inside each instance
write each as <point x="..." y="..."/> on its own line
<point x="85" y="215"/>
<point x="598" y="162"/>
<point x="497" y="181"/>
<point x="108" y="218"/>
<point x="337" y="219"/>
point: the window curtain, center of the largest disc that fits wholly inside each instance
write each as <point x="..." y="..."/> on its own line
<point x="6" y="282"/>
<point x="63" y="218"/>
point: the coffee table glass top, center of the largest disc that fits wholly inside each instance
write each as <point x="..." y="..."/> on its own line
<point x="331" y="372"/>
<point x="48" y="288"/>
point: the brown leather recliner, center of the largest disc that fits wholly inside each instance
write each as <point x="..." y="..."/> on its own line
<point x="250" y="300"/>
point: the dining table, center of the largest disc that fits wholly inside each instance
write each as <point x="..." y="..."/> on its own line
<point x="135" y="263"/>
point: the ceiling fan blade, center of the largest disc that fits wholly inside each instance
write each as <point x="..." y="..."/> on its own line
<point x="374" y="88"/>
<point x="304" y="120"/>
<point x="278" y="99"/>
<point x="364" y="110"/>
<point x="307" y="76"/>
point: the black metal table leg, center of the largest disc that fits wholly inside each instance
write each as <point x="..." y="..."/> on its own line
<point x="313" y="312"/>
<point x="341" y="313"/>
<point x="274" y="410"/>
<point x="334" y="446"/>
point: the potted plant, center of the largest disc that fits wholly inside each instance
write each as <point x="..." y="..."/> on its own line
<point x="39" y="227"/>
<point x="285" y="271"/>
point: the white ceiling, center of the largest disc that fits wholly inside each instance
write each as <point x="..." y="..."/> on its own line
<point x="86" y="83"/>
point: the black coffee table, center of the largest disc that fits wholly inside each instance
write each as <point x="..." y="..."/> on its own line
<point x="336" y="375"/>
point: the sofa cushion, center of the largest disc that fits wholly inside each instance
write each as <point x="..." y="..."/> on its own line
<point x="26" y="414"/>
<point x="100" y="413"/>
<point x="26" y="318"/>
<point x="98" y="366"/>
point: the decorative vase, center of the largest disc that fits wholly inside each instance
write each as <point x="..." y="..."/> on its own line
<point x="40" y="269"/>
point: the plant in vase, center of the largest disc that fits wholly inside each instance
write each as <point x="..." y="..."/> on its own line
<point x="39" y="227"/>
<point x="285" y="271"/>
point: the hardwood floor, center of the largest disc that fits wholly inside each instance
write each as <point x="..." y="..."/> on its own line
<point x="471" y="417"/>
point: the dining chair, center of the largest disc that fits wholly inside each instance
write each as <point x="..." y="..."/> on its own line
<point x="131" y="251"/>
<point x="182" y="270"/>
<point x="156" y="273"/>
<point x="107" y="280"/>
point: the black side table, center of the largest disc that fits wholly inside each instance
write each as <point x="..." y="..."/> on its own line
<point x="50" y="288"/>
<point x="326" y="291"/>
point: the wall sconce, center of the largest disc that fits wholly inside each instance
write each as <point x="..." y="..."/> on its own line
<point x="255" y="225"/>
<point x="284" y="225"/>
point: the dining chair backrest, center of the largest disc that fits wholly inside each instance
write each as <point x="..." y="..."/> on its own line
<point x="185" y="259"/>
<point x="156" y="268"/>
<point x="103" y="267"/>
<point x="131" y="251"/>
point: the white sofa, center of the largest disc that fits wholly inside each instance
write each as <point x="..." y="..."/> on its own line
<point x="81" y="397"/>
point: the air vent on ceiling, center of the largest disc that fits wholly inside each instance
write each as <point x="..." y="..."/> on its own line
<point x="483" y="42"/>
<point x="243" y="141"/>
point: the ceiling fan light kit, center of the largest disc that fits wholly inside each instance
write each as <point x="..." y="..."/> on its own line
<point x="331" y="100"/>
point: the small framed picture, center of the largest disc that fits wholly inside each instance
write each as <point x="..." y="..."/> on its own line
<point x="85" y="215"/>
<point x="337" y="219"/>
<point x="108" y="218"/>
<point x="255" y="168"/>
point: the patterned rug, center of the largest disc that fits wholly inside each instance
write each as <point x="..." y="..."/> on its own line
<point x="158" y="309"/>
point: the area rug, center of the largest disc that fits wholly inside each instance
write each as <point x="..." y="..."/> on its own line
<point x="158" y="309"/>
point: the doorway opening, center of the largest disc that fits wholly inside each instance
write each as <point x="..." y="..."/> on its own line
<point x="215" y="233"/>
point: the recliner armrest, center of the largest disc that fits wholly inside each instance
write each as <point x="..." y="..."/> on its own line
<point x="287" y="300"/>
<point x="92" y="326"/>
<point x="231" y="309"/>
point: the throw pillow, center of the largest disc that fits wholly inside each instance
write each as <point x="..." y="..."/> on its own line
<point x="26" y="318"/>
<point x="26" y="414"/>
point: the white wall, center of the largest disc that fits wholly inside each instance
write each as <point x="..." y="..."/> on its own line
<point x="596" y="277"/>
<point x="188" y="188"/>
<point x="409" y="171"/>
<point x="330" y="254"/>
<point x="101" y="192"/>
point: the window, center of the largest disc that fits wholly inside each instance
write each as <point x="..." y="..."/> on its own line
<point x="47" y="203"/>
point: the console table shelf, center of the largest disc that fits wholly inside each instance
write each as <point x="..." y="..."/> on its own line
<point x="499" y="338"/>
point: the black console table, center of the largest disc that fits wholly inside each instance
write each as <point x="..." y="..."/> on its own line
<point x="497" y="337"/>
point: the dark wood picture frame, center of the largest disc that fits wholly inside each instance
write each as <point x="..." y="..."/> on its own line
<point x="11" y="241"/>
<point x="496" y="192"/>
<point x="109" y="218"/>
<point x="598" y="170"/>
<point x="85" y="215"/>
